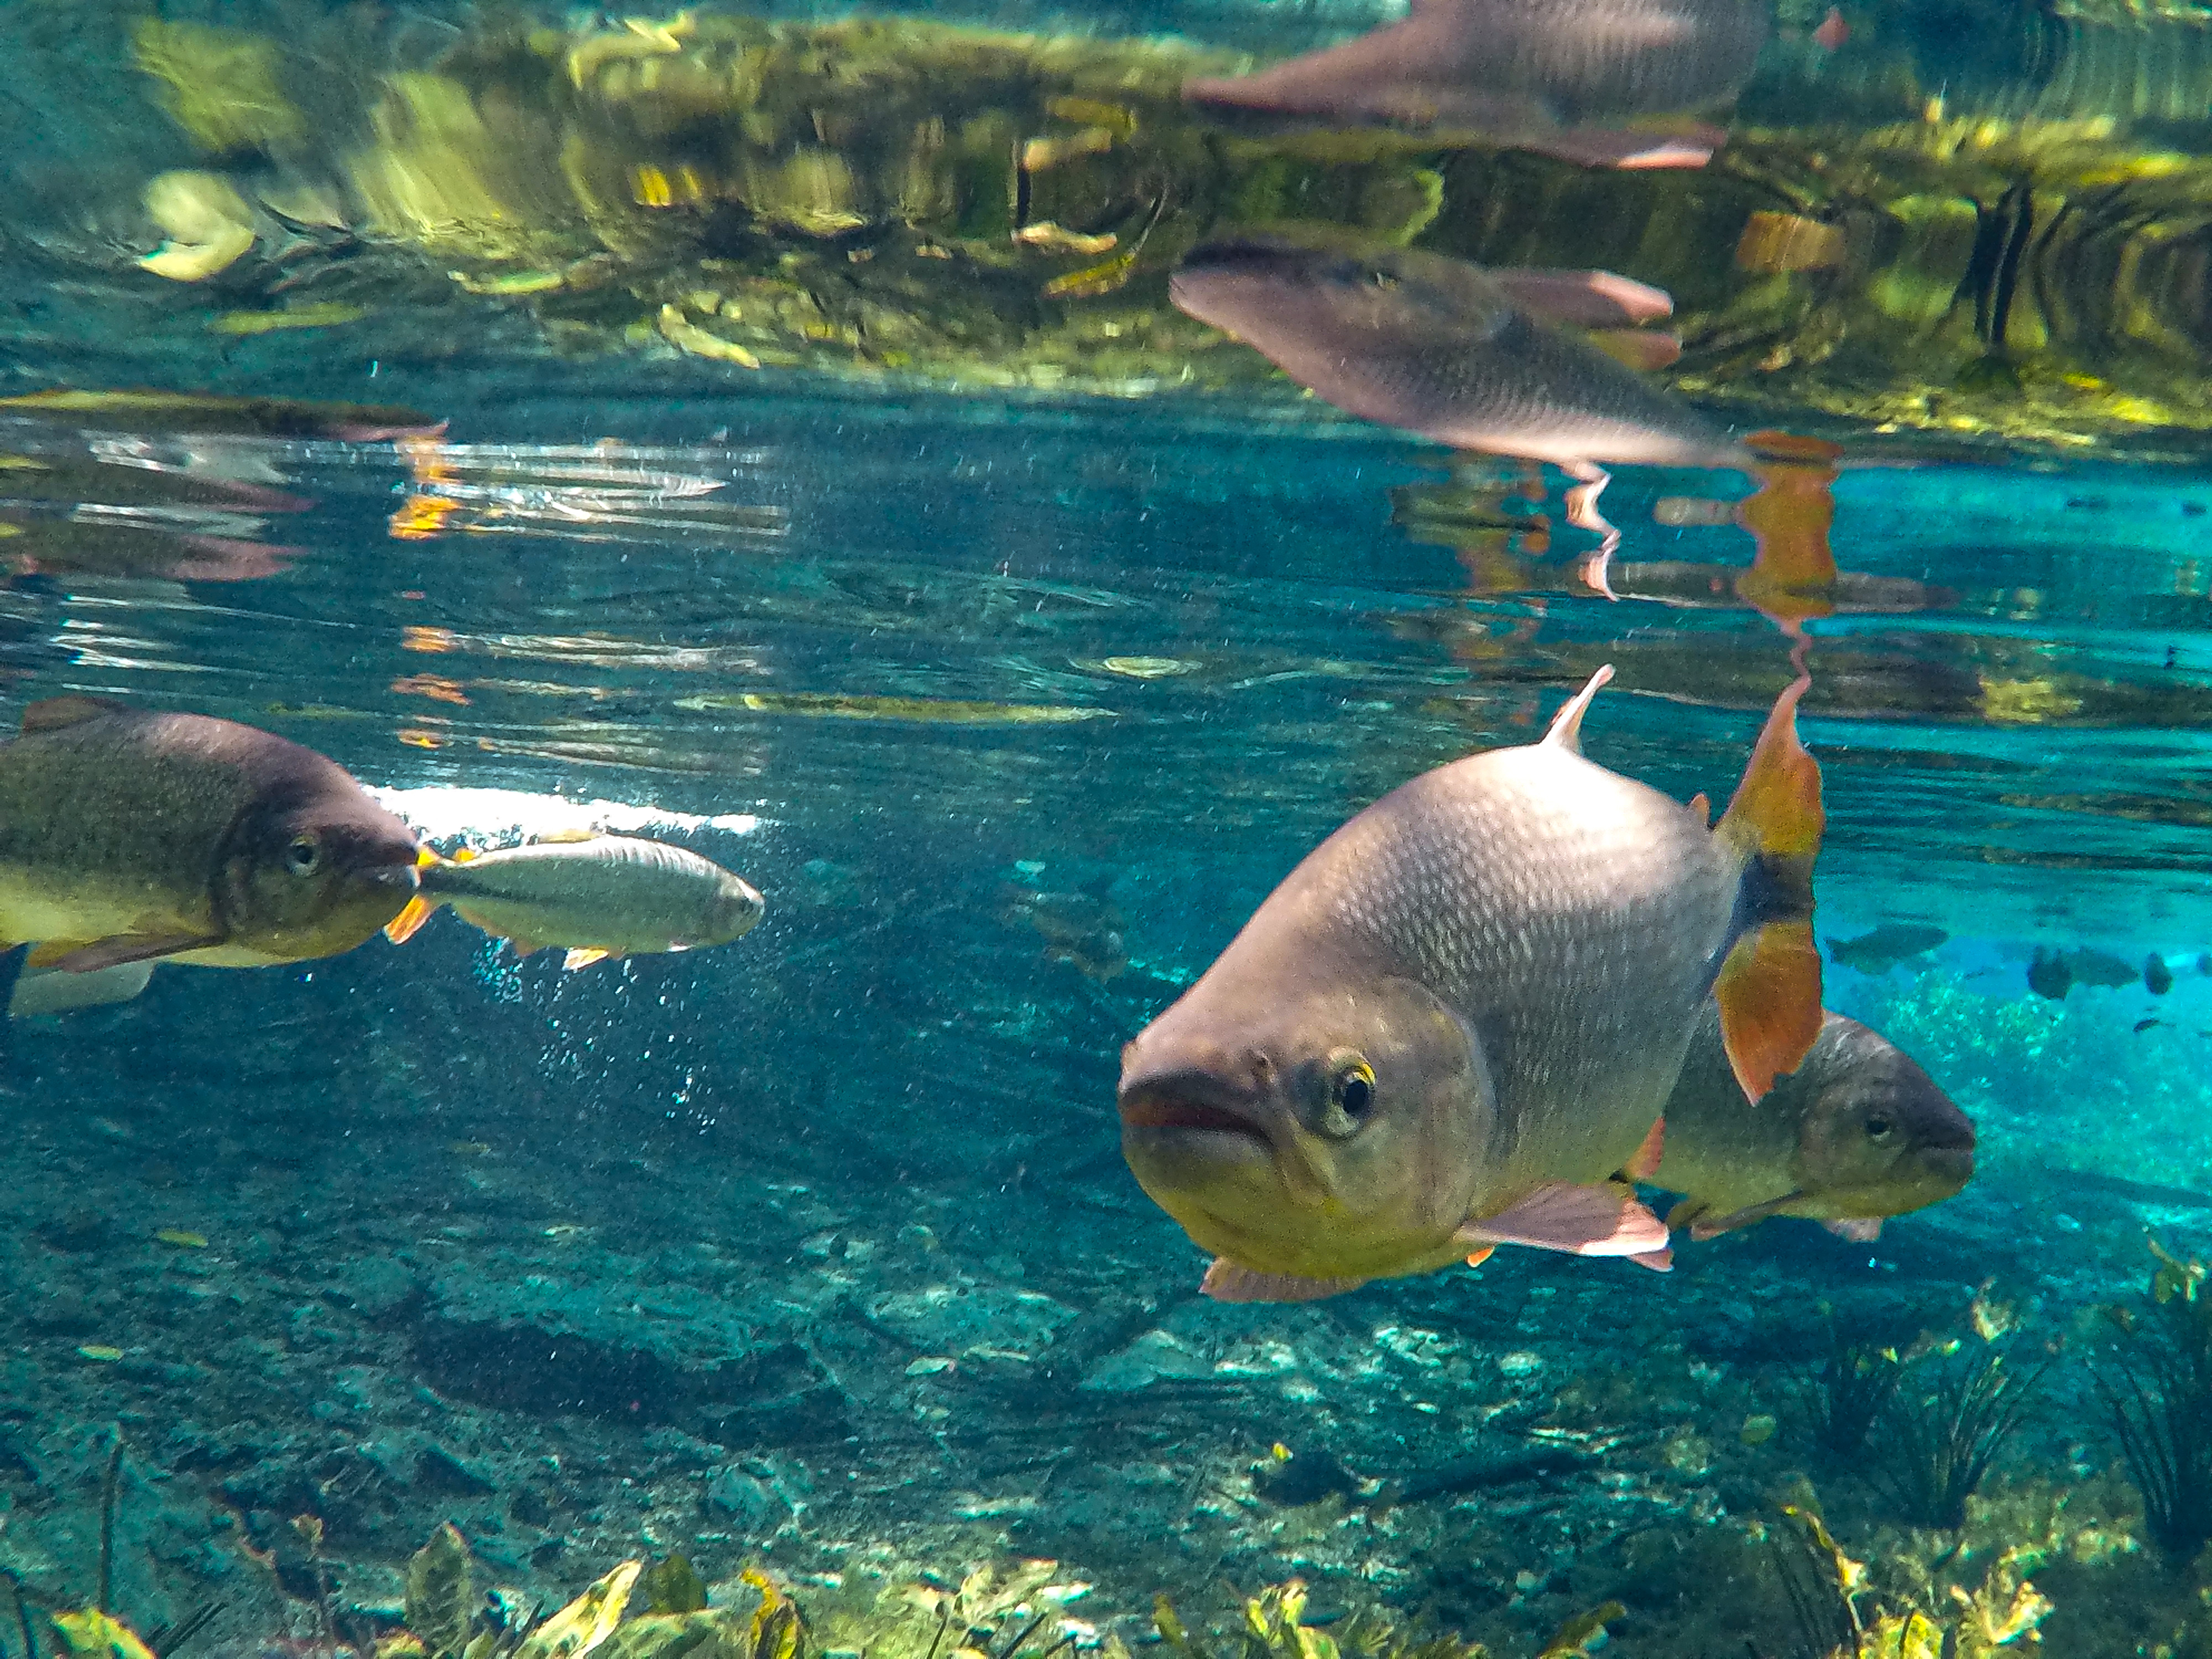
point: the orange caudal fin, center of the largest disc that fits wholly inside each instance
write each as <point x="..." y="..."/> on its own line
<point x="1769" y="985"/>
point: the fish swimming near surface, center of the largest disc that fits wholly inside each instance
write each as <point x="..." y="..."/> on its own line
<point x="129" y="836"/>
<point x="1882" y="948"/>
<point x="595" y="897"/>
<point x="1457" y="1022"/>
<point x="1856" y="1134"/>
<point x="1567" y="78"/>
<point x="1457" y="354"/>
<point x="2158" y="978"/>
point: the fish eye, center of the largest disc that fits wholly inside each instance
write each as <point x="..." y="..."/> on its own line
<point x="1351" y="1095"/>
<point x="1878" y="1127"/>
<point x="302" y="856"/>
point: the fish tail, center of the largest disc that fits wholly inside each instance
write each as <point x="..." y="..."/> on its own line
<point x="1769" y="982"/>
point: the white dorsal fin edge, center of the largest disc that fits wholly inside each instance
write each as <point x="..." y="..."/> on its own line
<point x="1566" y="731"/>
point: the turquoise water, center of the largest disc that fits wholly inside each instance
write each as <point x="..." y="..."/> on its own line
<point x="815" y="1253"/>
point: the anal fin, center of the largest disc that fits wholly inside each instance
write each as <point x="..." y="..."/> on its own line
<point x="1226" y="1281"/>
<point x="1859" y="1229"/>
<point x="584" y="957"/>
<point x="1597" y="1218"/>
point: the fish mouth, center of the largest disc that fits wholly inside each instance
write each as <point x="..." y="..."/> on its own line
<point x="1186" y="1115"/>
<point x="1158" y="1112"/>
<point x="400" y="878"/>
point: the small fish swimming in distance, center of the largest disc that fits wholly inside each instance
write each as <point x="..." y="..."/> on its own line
<point x="1456" y="1024"/>
<point x="595" y="897"/>
<point x="1458" y="354"/>
<point x="128" y="836"/>
<point x="1856" y="1134"/>
<point x="1568" y="78"/>
<point x="1880" y="949"/>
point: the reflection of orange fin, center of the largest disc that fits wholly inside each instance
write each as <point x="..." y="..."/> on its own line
<point x="1769" y="987"/>
<point x="1794" y="576"/>
<point x="404" y="926"/>
<point x="584" y="958"/>
<point x="1644" y="349"/>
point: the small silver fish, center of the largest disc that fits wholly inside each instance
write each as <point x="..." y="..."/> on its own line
<point x="1555" y="77"/>
<point x="596" y="896"/>
<point x="1857" y="1132"/>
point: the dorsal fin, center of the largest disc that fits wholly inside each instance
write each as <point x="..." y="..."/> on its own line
<point x="52" y="713"/>
<point x="1566" y="732"/>
<point x="1701" y="808"/>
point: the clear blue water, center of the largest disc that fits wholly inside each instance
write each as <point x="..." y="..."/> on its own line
<point x="816" y="1251"/>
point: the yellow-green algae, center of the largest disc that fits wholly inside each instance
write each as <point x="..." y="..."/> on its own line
<point x="879" y="196"/>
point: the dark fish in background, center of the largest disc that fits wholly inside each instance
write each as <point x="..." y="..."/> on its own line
<point x="1881" y="950"/>
<point x="1456" y="1024"/>
<point x="2158" y="978"/>
<point x="127" y="836"/>
<point x="1566" y="78"/>
<point x="1856" y="1134"/>
<point x="2092" y="967"/>
<point x="1450" y="351"/>
<point x="2048" y="975"/>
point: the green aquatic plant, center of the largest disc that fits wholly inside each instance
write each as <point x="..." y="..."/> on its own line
<point x="1852" y="1386"/>
<point x="1839" y="1615"/>
<point x="2157" y="1394"/>
<point x="1273" y="1628"/>
<point x="1940" y="1440"/>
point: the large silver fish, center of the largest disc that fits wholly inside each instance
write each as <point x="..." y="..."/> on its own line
<point x="1856" y="1133"/>
<point x="1559" y="77"/>
<point x="1456" y="1024"/>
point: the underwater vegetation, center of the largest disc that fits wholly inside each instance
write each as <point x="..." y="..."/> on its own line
<point x="894" y="196"/>
<point x="2156" y="1386"/>
<point x="1942" y="1432"/>
<point x="1853" y="1386"/>
<point x="1840" y="1614"/>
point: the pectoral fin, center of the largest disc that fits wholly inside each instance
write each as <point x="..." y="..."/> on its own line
<point x="584" y="958"/>
<point x="1601" y="1218"/>
<point x="1860" y="1230"/>
<point x="1226" y="1281"/>
<point x="1644" y="349"/>
<point x="1644" y="1162"/>
<point x="51" y="991"/>
<point x="1704" y="1226"/>
<point x="1588" y="299"/>
<point x="82" y="957"/>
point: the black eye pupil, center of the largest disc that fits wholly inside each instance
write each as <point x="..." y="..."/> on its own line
<point x="301" y="855"/>
<point x="1877" y="1126"/>
<point x="1355" y="1094"/>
